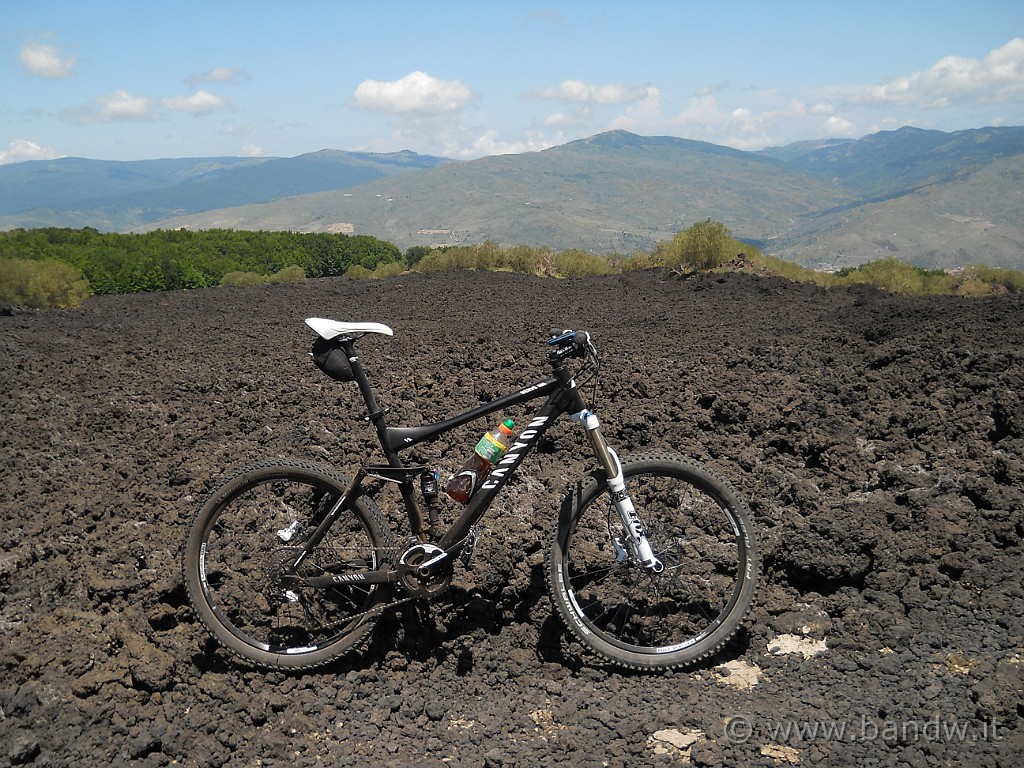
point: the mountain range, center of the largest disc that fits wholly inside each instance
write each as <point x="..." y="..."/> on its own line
<point x="931" y="198"/>
<point x="118" y="196"/>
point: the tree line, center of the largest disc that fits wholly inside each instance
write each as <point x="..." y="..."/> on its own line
<point x="167" y="260"/>
<point x="60" y="267"/>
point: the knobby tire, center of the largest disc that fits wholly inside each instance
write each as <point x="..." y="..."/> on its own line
<point x="237" y="568"/>
<point x="697" y="526"/>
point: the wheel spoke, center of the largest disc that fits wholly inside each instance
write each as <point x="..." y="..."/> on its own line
<point x="247" y="539"/>
<point x="637" y="617"/>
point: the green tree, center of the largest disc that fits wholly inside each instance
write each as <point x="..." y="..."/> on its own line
<point x="178" y="259"/>
<point x="704" y="245"/>
<point x="414" y="254"/>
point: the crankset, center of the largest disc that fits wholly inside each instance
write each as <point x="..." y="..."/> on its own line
<point x="411" y="576"/>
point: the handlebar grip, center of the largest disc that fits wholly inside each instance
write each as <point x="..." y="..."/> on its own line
<point x="584" y="345"/>
<point x="572" y="344"/>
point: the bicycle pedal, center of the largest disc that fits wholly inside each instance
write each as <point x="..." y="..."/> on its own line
<point x="466" y="555"/>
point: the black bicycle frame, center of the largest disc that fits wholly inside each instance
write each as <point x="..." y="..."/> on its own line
<point x="562" y="397"/>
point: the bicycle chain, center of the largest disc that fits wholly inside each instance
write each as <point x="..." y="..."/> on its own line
<point x="377" y="609"/>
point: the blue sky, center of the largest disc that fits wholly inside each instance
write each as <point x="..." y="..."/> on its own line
<point x="140" y="80"/>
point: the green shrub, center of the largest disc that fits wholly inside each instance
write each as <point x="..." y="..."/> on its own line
<point x="178" y="259"/>
<point x="526" y="260"/>
<point x="451" y="259"/>
<point x="414" y="253"/>
<point x="292" y="274"/>
<point x="100" y="263"/>
<point x="789" y="269"/>
<point x="895" y="276"/>
<point x="1010" y="279"/>
<point x="357" y="272"/>
<point x="243" y="279"/>
<point x="975" y="287"/>
<point x="641" y="260"/>
<point x="522" y="259"/>
<point x="576" y="263"/>
<point x="41" y="284"/>
<point x="704" y="245"/>
<point x="390" y="269"/>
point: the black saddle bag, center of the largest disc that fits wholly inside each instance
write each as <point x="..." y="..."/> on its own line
<point x="331" y="359"/>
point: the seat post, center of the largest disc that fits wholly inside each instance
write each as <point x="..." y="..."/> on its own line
<point x="376" y="416"/>
<point x="374" y="413"/>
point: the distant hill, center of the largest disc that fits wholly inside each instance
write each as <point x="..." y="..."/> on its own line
<point x="931" y="198"/>
<point x="51" y="184"/>
<point x="894" y="162"/>
<point x="118" y="196"/>
<point x="976" y="217"/>
<point x="615" y="192"/>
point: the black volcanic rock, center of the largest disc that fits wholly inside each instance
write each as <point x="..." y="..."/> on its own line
<point x="879" y="439"/>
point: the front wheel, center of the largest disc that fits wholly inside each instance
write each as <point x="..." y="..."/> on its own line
<point x="633" y="616"/>
<point x="240" y="573"/>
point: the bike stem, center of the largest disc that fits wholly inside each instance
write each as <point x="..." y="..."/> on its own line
<point x="617" y="485"/>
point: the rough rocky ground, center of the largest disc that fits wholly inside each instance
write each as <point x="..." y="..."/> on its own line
<point x="879" y="440"/>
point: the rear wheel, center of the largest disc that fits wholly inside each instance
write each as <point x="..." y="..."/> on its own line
<point x="239" y="556"/>
<point x="636" y="618"/>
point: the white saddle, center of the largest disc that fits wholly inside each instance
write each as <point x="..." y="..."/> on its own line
<point x="330" y="329"/>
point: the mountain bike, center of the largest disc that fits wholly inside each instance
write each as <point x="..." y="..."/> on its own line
<point x="652" y="562"/>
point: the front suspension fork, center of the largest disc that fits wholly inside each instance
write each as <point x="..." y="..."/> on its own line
<point x="612" y="467"/>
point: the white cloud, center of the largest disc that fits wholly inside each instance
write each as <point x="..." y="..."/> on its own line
<point x="219" y="75"/>
<point x="415" y="94"/>
<point x="644" y="115"/>
<point x="952" y="80"/>
<point x="488" y="144"/>
<point x="252" y="150"/>
<point x="576" y="91"/>
<point x="21" y="150"/>
<point x="752" y="128"/>
<point x="838" y="126"/>
<point x="705" y="120"/>
<point x="578" y="116"/>
<point x="121" y="105"/>
<point x="199" y="103"/>
<point x="702" y="110"/>
<point x="762" y="121"/>
<point x="42" y="60"/>
<point x="115" y="107"/>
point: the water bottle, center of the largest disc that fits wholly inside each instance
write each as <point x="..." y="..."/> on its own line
<point x="488" y="451"/>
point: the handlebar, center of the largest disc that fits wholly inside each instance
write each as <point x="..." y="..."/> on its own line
<point x="568" y="343"/>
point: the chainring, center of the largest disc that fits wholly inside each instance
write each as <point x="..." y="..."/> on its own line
<point x="415" y="583"/>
